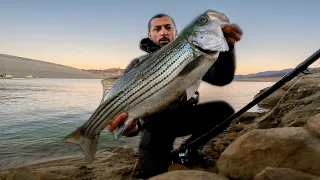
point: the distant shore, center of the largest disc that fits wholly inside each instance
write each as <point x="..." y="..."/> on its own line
<point x="267" y="79"/>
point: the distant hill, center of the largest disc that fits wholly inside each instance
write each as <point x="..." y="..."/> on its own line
<point x="271" y="74"/>
<point x="264" y="74"/>
<point x="112" y="72"/>
<point x="20" y="67"/>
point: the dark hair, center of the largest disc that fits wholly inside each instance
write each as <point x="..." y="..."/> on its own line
<point x="160" y="16"/>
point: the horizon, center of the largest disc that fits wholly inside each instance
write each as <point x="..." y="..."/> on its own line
<point x="101" y="69"/>
<point x="94" y="35"/>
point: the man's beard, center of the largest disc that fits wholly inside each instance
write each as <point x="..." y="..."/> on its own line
<point x="163" y="41"/>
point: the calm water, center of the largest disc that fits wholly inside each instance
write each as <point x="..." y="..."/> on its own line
<point x="36" y="114"/>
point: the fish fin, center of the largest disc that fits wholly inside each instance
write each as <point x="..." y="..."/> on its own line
<point x="191" y="66"/>
<point x="111" y="77"/>
<point x="87" y="143"/>
<point x="106" y="84"/>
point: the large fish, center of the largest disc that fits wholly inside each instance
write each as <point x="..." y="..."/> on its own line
<point x="157" y="80"/>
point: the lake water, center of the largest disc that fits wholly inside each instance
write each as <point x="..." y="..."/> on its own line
<point x="36" y="115"/>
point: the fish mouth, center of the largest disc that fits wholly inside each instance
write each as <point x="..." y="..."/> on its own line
<point x="206" y="51"/>
<point x="213" y="15"/>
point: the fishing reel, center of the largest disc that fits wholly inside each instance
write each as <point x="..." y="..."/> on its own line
<point x="181" y="157"/>
<point x="190" y="157"/>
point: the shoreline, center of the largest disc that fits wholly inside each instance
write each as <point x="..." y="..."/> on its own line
<point x="271" y="79"/>
<point x="77" y="158"/>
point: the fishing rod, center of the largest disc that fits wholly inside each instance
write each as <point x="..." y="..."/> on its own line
<point x="289" y="76"/>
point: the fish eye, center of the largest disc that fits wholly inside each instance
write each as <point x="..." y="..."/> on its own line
<point x="203" y="19"/>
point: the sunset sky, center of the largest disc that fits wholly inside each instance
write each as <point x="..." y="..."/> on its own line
<point x="105" y="34"/>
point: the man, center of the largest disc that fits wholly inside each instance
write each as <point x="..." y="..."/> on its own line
<point x="184" y="116"/>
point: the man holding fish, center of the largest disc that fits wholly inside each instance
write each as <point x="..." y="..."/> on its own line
<point x="184" y="116"/>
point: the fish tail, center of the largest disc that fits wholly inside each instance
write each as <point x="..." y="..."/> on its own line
<point x="88" y="143"/>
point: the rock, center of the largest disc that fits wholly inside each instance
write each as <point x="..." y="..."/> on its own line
<point x="265" y="121"/>
<point x="302" y="93"/>
<point x="236" y="128"/>
<point x="51" y="176"/>
<point x="219" y="148"/>
<point x="271" y="173"/>
<point x="115" y="172"/>
<point x="272" y="99"/>
<point x="298" y="116"/>
<point x="174" y="167"/>
<point x="290" y="147"/>
<point x="247" y="117"/>
<point x="315" y="98"/>
<point x="125" y="151"/>
<point x="232" y="136"/>
<point x="2" y="177"/>
<point x="212" y="154"/>
<point x="314" y="125"/>
<point x="22" y="174"/>
<point x="188" y="175"/>
<point x="69" y="171"/>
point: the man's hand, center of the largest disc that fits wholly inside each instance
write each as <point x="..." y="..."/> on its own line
<point x="118" y="120"/>
<point x="232" y="33"/>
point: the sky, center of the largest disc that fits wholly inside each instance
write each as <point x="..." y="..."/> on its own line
<point x="100" y="34"/>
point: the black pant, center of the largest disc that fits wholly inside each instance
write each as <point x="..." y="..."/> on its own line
<point x="161" y="129"/>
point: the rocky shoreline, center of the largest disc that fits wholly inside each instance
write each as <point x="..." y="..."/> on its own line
<point x="283" y="143"/>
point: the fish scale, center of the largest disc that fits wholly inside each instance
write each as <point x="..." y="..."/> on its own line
<point x="161" y="78"/>
<point x="168" y="66"/>
<point x="164" y="79"/>
<point x="145" y="67"/>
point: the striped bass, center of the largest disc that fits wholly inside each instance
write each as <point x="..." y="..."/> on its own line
<point x="158" y="80"/>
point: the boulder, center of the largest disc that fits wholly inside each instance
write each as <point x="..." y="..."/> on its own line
<point x="272" y="99"/>
<point x="298" y="116"/>
<point x="271" y="173"/>
<point x="288" y="147"/>
<point x="314" y="125"/>
<point x="188" y="175"/>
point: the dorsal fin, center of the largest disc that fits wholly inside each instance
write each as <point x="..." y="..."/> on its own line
<point x="106" y="84"/>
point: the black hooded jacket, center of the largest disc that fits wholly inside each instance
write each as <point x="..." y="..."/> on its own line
<point x="221" y="73"/>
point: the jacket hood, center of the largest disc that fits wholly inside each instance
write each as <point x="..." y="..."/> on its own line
<point x="148" y="45"/>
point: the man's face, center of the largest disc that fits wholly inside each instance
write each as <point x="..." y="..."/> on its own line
<point x="162" y="31"/>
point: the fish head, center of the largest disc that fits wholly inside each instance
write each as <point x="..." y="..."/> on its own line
<point x="205" y="33"/>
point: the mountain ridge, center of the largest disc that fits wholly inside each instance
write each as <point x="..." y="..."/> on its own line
<point x="271" y="73"/>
